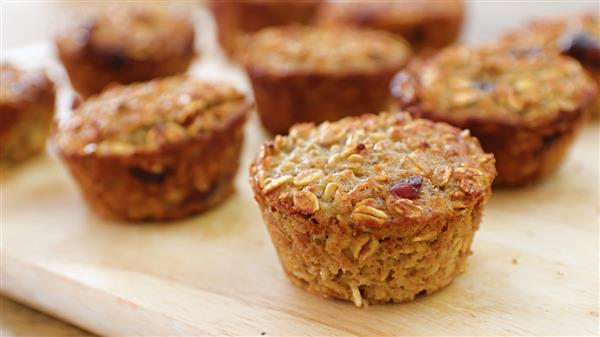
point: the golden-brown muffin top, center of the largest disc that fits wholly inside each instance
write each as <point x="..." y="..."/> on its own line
<point x="576" y="36"/>
<point x="512" y="86"/>
<point x="373" y="170"/>
<point x="140" y="33"/>
<point x="18" y="86"/>
<point x="388" y="12"/>
<point x="329" y="50"/>
<point x="147" y="116"/>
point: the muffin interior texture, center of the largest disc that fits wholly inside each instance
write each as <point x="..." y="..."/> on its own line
<point x="148" y="116"/>
<point x="322" y="50"/>
<point x="503" y="84"/>
<point x="373" y="171"/>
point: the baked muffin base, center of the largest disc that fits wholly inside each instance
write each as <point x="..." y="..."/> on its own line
<point x="353" y="266"/>
<point x="527" y="156"/>
<point x="285" y="100"/>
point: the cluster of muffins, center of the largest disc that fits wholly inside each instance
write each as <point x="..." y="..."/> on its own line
<point x="361" y="205"/>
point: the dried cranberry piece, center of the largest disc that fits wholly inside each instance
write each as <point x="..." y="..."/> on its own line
<point x="407" y="188"/>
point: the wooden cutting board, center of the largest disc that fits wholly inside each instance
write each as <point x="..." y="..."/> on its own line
<point x="534" y="270"/>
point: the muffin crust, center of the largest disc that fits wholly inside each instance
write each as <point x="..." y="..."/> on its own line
<point x="125" y="45"/>
<point x="524" y="105"/>
<point x="298" y="49"/>
<point x="26" y="113"/>
<point x="159" y="150"/>
<point x="372" y="208"/>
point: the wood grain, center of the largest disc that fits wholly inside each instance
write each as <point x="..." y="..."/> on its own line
<point x="534" y="271"/>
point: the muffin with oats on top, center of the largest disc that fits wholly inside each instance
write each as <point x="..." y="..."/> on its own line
<point x="576" y="36"/>
<point x="316" y="74"/>
<point x="125" y="45"/>
<point x="373" y="209"/>
<point x="26" y="113"/>
<point x="159" y="150"/>
<point x="525" y="106"/>
<point x="236" y="18"/>
<point x="424" y="24"/>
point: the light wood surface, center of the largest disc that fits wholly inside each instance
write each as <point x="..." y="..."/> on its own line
<point x="534" y="271"/>
<point x="19" y="320"/>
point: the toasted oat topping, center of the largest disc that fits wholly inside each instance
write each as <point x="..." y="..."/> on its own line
<point x="504" y="84"/>
<point x="17" y="85"/>
<point x="323" y="50"/>
<point x="133" y="31"/>
<point x="146" y="116"/>
<point x="564" y="35"/>
<point x="372" y="169"/>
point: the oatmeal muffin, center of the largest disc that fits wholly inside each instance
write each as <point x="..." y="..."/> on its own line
<point x="26" y="113"/>
<point x="125" y="45"/>
<point x="235" y="18"/>
<point x="312" y="74"/>
<point x="575" y="36"/>
<point x="524" y="105"/>
<point x="425" y="24"/>
<point x="373" y="209"/>
<point x="158" y="150"/>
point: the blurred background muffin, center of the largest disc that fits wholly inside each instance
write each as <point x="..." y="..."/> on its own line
<point x="124" y="45"/>
<point x="26" y="113"/>
<point x="316" y="74"/>
<point x="424" y="24"/>
<point x="577" y="36"/>
<point x="234" y="18"/>
<point x="158" y="150"/>
<point x="525" y="106"/>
